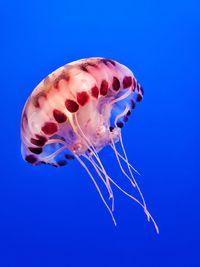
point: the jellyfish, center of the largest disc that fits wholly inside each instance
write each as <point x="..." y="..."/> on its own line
<point x="75" y="112"/>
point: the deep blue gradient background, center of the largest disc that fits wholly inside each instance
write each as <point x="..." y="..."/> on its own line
<point x="54" y="217"/>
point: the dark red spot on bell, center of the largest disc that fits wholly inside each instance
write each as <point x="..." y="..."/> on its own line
<point x="35" y="99"/>
<point x="107" y="60"/>
<point x="127" y="82"/>
<point x="95" y="91"/>
<point x="83" y="67"/>
<point x="31" y="158"/>
<point x="41" y="138"/>
<point x="38" y="142"/>
<point x="120" y="124"/>
<point x="111" y="61"/>
<point x="104" y="88"/>
<point x="69" y="157"/>
<point x="104" y="61"/>
<point x="132" y="104"/>
<point x="128" y="113"/>
<point x="49" y="128"/>
<point x="35" y="150"/>
<point x="111" y="128"/>
<point x="82" y="98"/>
<point x="115" y="84"/>
<point x="71" y="105"/>
<point x="59" y="116"/>
<point x="87" y="64"/>
<point x="139" y="98"/>
<point x="142" y="90"/>
<point x="62" y="76"/>
<point x="125" y="118"/>
<point x="62" y="162"/>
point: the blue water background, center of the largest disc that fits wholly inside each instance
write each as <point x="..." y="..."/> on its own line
<point x="54" y="217"/>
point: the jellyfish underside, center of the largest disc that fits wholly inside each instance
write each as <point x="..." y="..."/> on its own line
<point x="87" y="150"/>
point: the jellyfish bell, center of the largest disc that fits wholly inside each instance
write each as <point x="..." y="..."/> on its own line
<point x="75" y="112"/>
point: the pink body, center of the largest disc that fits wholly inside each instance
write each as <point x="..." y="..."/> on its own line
<point x="82" y="97"/>
<point x="76" y="111"/>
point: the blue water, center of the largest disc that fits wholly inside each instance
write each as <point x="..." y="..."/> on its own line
<point x="54" y="216"/>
